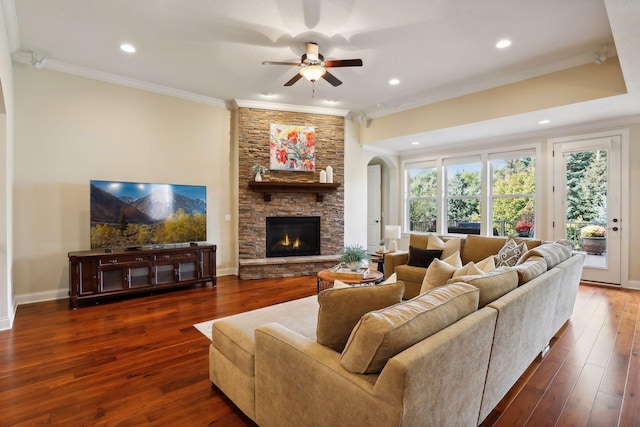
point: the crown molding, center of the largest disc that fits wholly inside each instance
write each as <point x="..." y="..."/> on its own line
<point x="288" y="107"/>
<point x="51" y="64"/>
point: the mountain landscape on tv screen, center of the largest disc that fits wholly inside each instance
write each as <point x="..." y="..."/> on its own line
<point x="158" y="217"/>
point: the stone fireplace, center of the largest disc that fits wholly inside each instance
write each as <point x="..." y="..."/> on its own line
<point x="254" y="208"/>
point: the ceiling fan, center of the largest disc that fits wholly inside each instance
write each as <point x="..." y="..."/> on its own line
<point x="313" y="66"/>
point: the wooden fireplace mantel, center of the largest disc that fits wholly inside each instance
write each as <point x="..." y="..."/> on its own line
<point x="269" y="187"/>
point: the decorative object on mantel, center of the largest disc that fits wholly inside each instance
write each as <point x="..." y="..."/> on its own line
<point x="267" y="188"/>
<point x="292" y="148"/>
<point x="353" y="255"/>
<point x="329" y="174"/>
<point x="323" y="177"/>
<point x="259" y="170"/>
<point x="393" y="232"/>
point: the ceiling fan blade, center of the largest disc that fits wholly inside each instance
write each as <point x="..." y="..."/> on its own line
<point x="279" y="63"/>
<point x="331" y="79"/>
<point x="293" y="80"/>
<point x="344" y="63"/>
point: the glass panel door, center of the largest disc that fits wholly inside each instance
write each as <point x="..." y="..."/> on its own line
<point x="587" y="204"/>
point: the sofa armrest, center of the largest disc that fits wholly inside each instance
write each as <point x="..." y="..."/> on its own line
<point x="300" y="382"/>
<point x="393" y="259"/>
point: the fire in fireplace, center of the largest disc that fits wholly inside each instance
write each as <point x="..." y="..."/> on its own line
<point x="293" y="236"/>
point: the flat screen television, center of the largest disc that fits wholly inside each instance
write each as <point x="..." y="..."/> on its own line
<point x="135" y="214"/>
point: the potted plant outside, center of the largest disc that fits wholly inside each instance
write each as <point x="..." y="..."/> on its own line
<point x="594" y="240"/>
<point x="259" y="170"/>
<point x="353" y="255"/>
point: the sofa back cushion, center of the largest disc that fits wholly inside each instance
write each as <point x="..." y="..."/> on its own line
<point x="341" y="309"/>
<point x="418" y="240"/>
<point x="477" y="248"/>
<point x="382" y="334"/>
<point x="553" y="253"/>
<point x="492" y="285"/>
<point x="528" y="270"/>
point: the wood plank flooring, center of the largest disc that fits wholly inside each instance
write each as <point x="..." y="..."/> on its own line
<point x="141" y="362"/>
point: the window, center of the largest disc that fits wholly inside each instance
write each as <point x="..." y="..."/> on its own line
<point x="463" y="192"/>
<point x="422" y="196"/>
<point x="488" y="193"/>
<point x="513" y="185"/>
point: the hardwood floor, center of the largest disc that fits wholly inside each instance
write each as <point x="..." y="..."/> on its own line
<point x="141" y="362"/>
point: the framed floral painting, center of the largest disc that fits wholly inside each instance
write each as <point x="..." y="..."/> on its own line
<point x="292" y="148"/>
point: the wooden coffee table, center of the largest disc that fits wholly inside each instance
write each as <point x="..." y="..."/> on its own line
<point x="326" y="279"/>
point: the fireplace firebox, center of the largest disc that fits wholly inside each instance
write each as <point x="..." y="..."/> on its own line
<point x="293" y="236"/>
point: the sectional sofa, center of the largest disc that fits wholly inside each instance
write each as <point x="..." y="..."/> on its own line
<point x="445" y="357"/>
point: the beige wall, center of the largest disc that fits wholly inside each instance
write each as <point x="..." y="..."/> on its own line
<point x="578" y="84"/>
<point x="69" y="130"/>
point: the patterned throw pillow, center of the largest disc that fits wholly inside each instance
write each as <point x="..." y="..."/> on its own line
<point x="510" y="253"/>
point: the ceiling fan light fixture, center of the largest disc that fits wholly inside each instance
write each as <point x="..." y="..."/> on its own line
<point x="312" y="72"/>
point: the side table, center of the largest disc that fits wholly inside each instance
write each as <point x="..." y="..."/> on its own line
<point x="326" y="279"/>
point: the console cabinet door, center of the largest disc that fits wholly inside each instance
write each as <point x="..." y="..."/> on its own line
<point x="84" y="280"/>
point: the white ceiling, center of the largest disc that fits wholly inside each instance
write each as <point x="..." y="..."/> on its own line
<point x="212" y="50"/>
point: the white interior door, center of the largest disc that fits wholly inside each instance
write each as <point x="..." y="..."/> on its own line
<point x="587" y="193"/>
<point x="374" y="187"/>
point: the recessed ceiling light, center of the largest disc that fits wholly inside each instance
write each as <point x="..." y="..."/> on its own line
<point x="331" y="101"/>
<point x="415" y="143"/>
<point x="544" y="122"/>
<point x="394" y="82"/>
<point x="269" y="95"/>
<point x="126" y="47"/>
<point x="503" y="43"/>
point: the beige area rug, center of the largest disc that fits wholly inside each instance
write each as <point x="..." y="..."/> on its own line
<point x="204" y="328"/>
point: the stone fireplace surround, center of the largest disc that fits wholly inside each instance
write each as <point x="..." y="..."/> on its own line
<point x="253" y="148"/>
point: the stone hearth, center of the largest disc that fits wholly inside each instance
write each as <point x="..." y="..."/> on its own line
<point x="253" y="148"/>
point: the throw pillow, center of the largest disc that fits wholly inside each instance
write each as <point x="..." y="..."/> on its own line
<point x="553" y="253"/>
<point x="422" y="257"/>
<point x="341" y="309"/>
<point x="448" y="248"/>
<point x="492" y="285"/>
<point x="440" y="271"/>
<point x="470" y="269"/>
<point x="382" y="334"/>
<point x="510" y="253"/>
<point x="487" y="264"/>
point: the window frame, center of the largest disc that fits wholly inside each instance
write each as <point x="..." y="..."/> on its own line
<point x="486" y="197"/>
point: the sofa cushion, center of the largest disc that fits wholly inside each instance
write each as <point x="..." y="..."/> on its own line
<point x="469" y="269"/>
<point x="341" y="308"/>
<point x="407" y="273"/>
<point x="553" y="253"/>
<point x="233" y="336"/>
<point x="422" y="257"/>
<point x="382" y="334"/>
<point x="477" y="248"/>
<point x="487" y="264"/>
<point x="448" y="248"/>
<point x="533" y="267"/>
<point x="418" y="240"/>
<point x="510" y="253"/>
<point x="440" y="271"/>
<point x="492" y="285"/>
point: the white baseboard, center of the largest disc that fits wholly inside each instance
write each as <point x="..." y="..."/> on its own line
<point x="41" y="296"/>
<point x="227" y="272"/>
<point x="632" y="284"/>
<point x="64" y="293"/>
